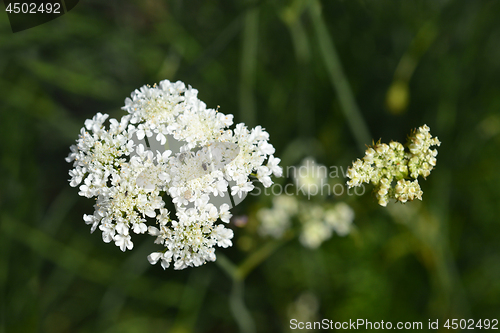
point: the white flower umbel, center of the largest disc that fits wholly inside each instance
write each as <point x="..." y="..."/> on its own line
<point x="310" y="177"/>
<point x="276" y="221"/>
<point x="384" y="165"/>
<point x="317" y="223"/>
<point x="130" y="173"/>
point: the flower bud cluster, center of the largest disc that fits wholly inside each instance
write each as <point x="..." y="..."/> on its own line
<point x="422" y="159"/>
<point x="130" y="173"/>
<point x="386" y="164"/>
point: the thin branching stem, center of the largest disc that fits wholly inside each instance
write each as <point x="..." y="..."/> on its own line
<point x="237" y="301"/>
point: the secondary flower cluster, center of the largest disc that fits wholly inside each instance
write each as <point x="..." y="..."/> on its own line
<point x="130" y="173"/>
<point x="385" y="164"/>
<point x="317" y="222"/>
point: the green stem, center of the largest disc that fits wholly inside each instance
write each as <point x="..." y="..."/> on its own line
<point x="292" y="17"/>
<point x="256" y="258"/>
<point x="239" y="309"/>
<point x="337" y="77"/>
<point x="236" y="301"/>
<point x="191" y="302"/>
<point x="226" y="265"/>
<point x="238" y="274"/>
<point x="249" y="65"/>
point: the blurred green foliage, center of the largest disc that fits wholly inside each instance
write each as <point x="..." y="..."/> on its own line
<point x="320" y="77"/>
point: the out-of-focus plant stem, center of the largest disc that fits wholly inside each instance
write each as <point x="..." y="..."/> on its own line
<point x="291" y="16"/>
<point x="256" y="258"/>
<point x="337" y="77"/>
<point x="238" y="275"/>
<point x="248" y="66"/>
<point x="191" y="302"/>
<point x="236" y="301"/>
<point x="239" y="309"/>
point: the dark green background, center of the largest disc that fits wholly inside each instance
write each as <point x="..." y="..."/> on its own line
<point x="270" y="63"/>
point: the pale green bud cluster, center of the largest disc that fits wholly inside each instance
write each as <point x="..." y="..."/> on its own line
<point x="385" y="164"/>
<point x="422" y="159"/>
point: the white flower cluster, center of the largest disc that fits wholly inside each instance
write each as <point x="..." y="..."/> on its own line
<point x="130" y="173"/>
<point x="384" y="164"/>
<point x="317" y="223"/>
<point x="310" y="176"/>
